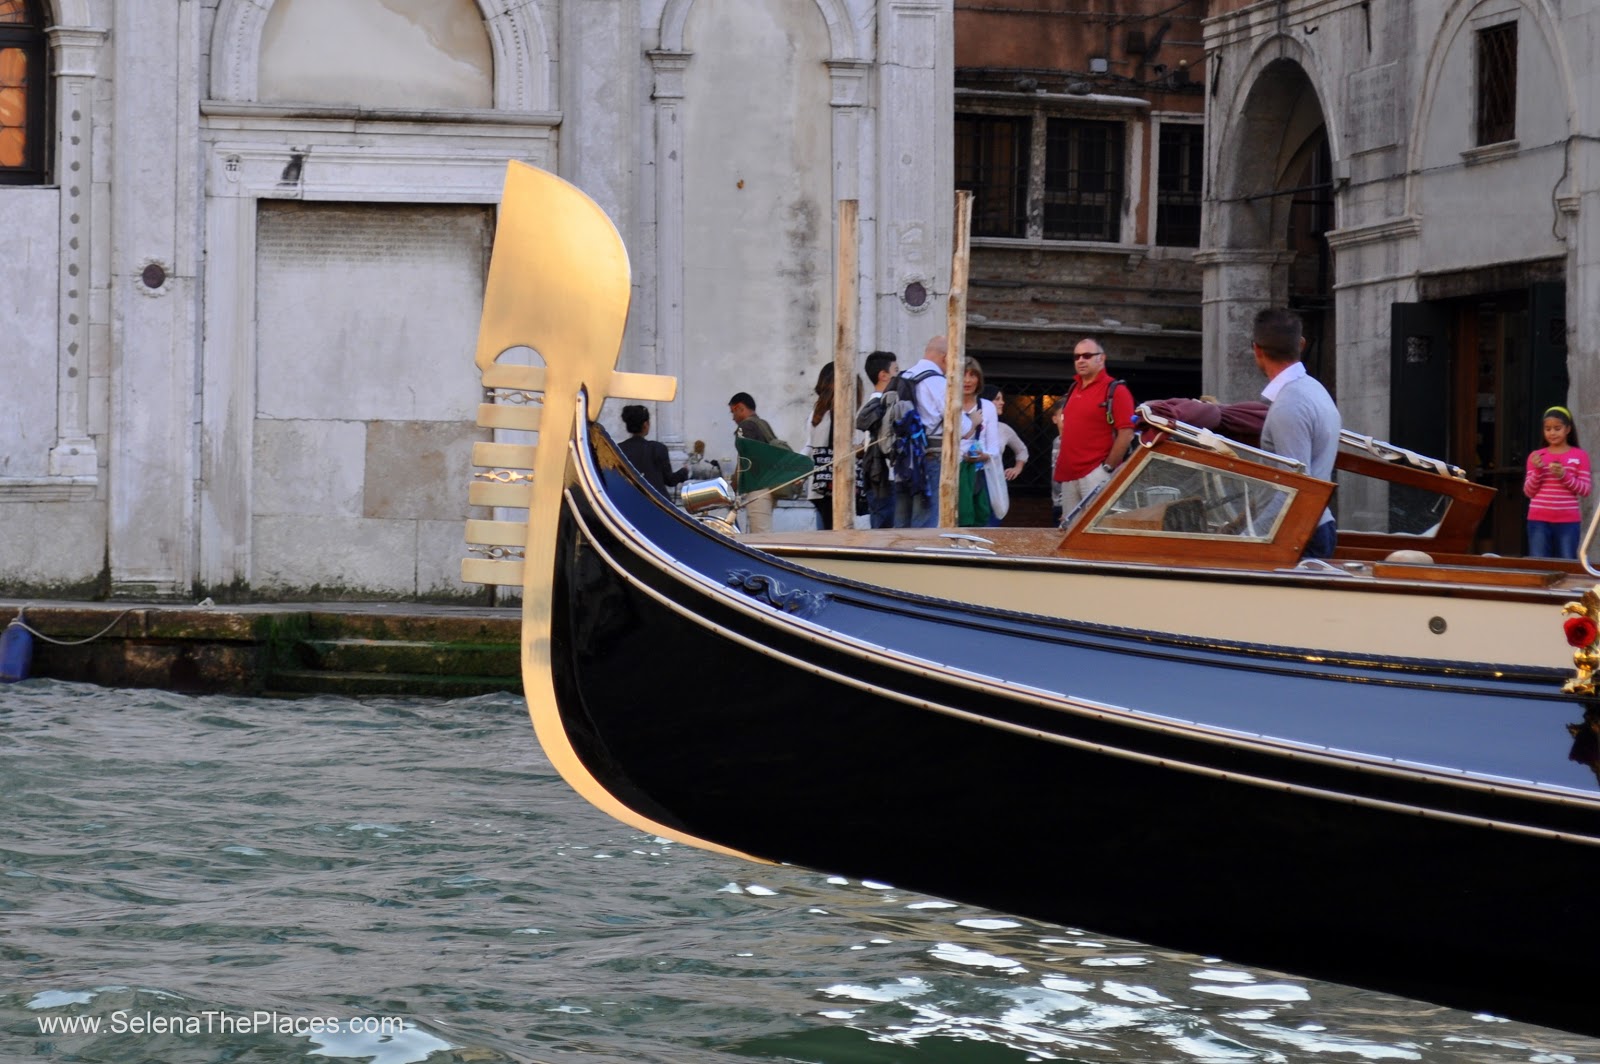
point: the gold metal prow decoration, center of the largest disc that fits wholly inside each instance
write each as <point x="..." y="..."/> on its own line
<point x="1582" y="628"/>
<point x="559" y="285"/>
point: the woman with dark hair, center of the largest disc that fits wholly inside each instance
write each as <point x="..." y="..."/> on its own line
<point x="820" y="488"/>
<point x="648" y="457"/>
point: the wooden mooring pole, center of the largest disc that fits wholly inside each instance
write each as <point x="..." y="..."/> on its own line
<point x="845" y="397"/>
<point x="955" y="362"/>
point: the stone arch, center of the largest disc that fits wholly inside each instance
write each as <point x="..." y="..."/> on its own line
<point x="844" y="39"/>
<point x="1456" y="16"/>
<point x="69" y="14"/>
<point x="1277" y="101"/>
<point x="1277" y="136"/>
<point x="520" y="43"/>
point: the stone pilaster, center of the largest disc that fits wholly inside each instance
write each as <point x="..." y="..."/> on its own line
<point x="916" y="203"/>
<point x="668" y="96"/>
<point x="154" y="333"/>
<point x="75" y="53"/>
<point x="1236" y="284"/>
<point x="853" y="173"/>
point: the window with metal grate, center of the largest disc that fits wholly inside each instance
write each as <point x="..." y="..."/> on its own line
<point x="1497" y="84"/>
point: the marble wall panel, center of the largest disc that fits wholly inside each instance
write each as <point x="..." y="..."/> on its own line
<point x="52" y="547"/>
<point x="758" y="215"/>
<point x="29" y="250"/>
<point x="335" y="555"/>
<point x="309" y="467"/>
<point x="369" y="312"/>
<point x="418" y="469"/>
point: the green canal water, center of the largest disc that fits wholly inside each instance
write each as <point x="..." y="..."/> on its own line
<point x="219" y="879"/>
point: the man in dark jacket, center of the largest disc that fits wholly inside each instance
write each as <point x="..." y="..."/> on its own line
<point x="757" y="505"/>
<point x="881" y="367"/>
<point x="648" y="457"/>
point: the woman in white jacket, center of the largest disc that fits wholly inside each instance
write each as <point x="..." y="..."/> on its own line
<point x="981" y="423"/>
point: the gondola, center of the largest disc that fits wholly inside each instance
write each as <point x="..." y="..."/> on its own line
<point x="1424" y="826"/>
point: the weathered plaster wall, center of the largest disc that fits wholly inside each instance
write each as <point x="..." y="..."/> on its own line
<point x="209" y="414"/>
<point x="758" y="217"/>
<point x="1454" y="181"/>
<point x="421" y="53"/>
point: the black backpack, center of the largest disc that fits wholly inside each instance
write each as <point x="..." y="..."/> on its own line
<point x="1111" y="390"/>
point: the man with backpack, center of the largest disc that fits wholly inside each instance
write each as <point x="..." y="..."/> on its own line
<point x="1096" y="426"/>
<point x="917" y="432"/>
<point x="881" y="367"/>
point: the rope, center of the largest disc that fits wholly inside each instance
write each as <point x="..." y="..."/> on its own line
<point x="26" y="627"/>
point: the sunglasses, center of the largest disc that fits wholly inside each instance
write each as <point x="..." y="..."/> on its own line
<point x="1087" y="354"/>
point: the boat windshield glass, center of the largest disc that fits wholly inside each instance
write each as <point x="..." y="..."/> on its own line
<point x="1176" y="497"/>
<point x="1368" y="505"/>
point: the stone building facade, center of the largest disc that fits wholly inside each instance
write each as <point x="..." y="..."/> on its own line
<point x="1454" y="142"/>
<point x="246" y="242"/>
<point x="1078" y="128"/>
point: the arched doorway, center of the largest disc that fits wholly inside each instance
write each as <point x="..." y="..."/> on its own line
<point x="1272" y="210"/>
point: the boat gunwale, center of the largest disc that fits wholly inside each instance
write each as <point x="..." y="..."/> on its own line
<point x="1365" y="583"/>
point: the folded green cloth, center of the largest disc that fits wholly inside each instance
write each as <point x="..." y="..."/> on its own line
<point x="763" y="465"/>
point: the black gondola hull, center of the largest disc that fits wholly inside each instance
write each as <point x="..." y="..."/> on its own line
<point x="846" y="732"/>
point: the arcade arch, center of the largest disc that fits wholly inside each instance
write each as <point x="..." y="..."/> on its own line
<point x="1272" y="210"/>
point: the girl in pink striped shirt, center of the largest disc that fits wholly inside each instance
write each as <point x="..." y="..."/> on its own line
<point x="1558" y="476"/>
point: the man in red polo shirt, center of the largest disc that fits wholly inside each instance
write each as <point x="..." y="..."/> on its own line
<point x="1096" y="427"/>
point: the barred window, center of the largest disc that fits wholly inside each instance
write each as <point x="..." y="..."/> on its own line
<point x="1179" y="184"/>
<point x="22" y="93"/>
<point x="1497" y="83"/>
<point x="1083" y="177"/>
<point x="992" y="155"/>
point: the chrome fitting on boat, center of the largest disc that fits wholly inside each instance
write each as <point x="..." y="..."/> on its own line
<point x="701" y="497"/>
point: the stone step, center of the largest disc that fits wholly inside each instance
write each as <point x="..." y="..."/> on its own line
<point x="469" y="626"/>
<point x="254" y="649"/>
<point x="294" y="683"/>
<point x="418" y="657"/>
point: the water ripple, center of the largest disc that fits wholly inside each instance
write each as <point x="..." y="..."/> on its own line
<point x="181" y="868"/>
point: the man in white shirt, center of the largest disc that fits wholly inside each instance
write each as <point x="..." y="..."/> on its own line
<point x="917" y="506"/>
<point x="1302" y="421"/>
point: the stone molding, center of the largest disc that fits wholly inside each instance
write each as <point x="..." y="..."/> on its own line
<point x="1386" y="231"/>
<point x="845" y="39"/>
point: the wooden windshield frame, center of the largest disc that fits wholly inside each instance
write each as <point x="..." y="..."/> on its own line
<point x="1309" y="498"/>
<point x="1468" y="503"/>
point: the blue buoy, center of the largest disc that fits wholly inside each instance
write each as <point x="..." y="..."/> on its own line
<point x="16" y="653"/>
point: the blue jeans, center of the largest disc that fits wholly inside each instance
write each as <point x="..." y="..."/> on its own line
<point x="920" y="509"/>
<point x="1553" y="539"/>
<point x="880" y="507"/>
<point x="1322" y="541"/>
